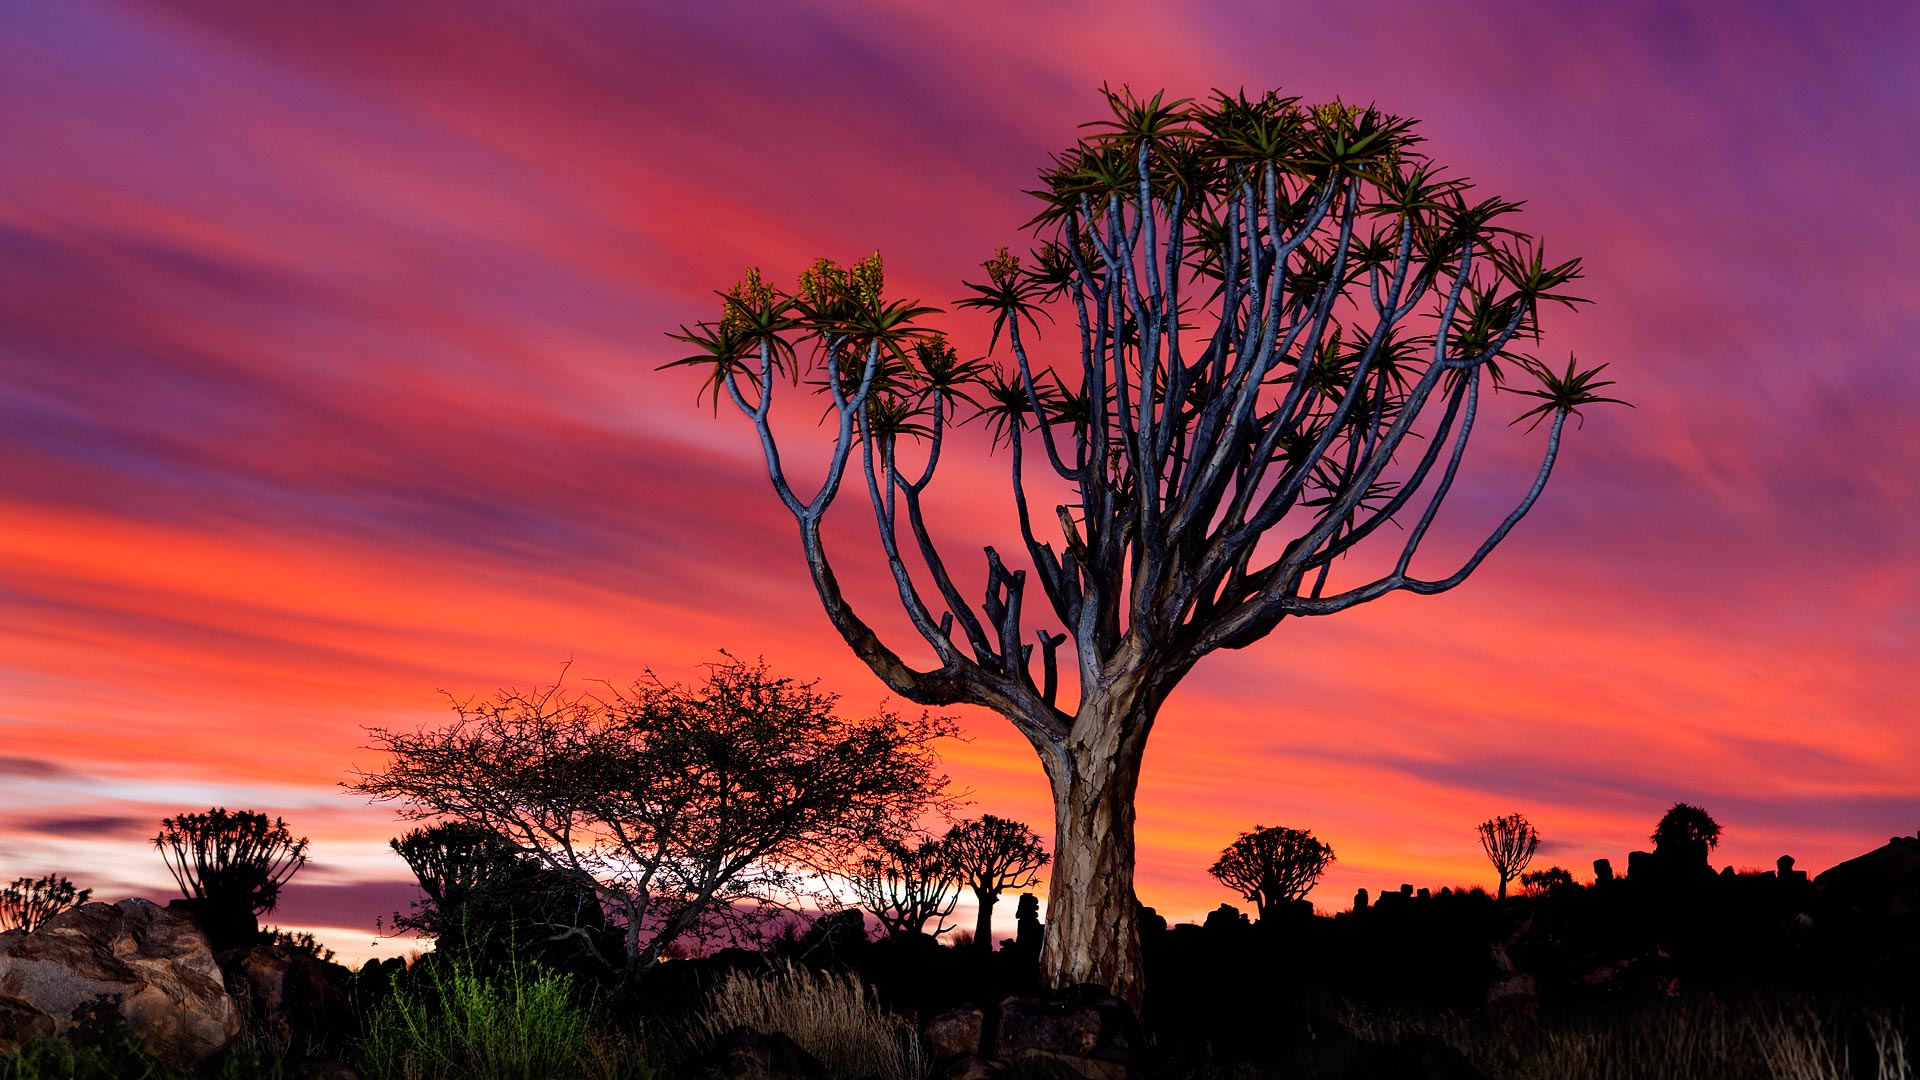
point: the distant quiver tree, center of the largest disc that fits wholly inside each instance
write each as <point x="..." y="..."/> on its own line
<point x="1509" y="841"/>
<point x="1270" y="866"/>
<point x="1685" y="834"/>
<point x="994" y="854"/>
<point x="1281" y="322"/>
<point x="907" y="884"/>
<point x="231" y="859"/>
<point x="29" y="902"/>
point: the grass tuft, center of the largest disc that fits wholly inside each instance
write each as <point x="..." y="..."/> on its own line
<point x="523" y="1023"/>
<point x="833" y="1016"/>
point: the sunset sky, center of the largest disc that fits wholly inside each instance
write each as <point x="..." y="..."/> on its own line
<point x="328" y="388"/>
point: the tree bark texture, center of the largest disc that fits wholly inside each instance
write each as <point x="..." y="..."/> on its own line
<point x="1092" y="924"/>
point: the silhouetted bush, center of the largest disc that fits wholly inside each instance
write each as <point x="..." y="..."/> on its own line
<point x="1548" y="880"/>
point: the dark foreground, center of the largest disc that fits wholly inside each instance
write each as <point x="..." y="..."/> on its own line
<point x="1694" y="975"/>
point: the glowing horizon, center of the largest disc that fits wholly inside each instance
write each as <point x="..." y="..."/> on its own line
<point x="329" y="340"/>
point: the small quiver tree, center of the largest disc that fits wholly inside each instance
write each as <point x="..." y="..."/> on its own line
<point x="1509" y="842"/>
<point x="230" y="865"/>
<point x="487" y="901"/>
<point x="1270" y="866"/>
<point x="993" y="854"/>
<point x="1682" y="839"/>
<point x="906" y="884"/>
<point x="28" y="903"/>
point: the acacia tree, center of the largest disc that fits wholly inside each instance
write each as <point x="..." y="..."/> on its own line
<point x="1509" y="841"/>
<point x="1282" y="321"/>
<point x="993" y="854"/>
<point x="691" y="810"/>
<point x="906" y="884"/>
<point x="1270" y="866"/>
<point x="28" y="903"/>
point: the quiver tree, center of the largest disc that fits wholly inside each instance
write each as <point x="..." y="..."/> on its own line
<point x="231" y="865"/>
<point x="1509" y="842"/>
<point x="455" y="864"/>
<point x="1281" y="324"/>
<point x="1684" y="836"/>
<point x="1272" y="866"/>
<point x="992" y="855"/>
<point x="482" y="894"/>
<point x="28" y="903"/>
<point x="906" y="884"/>
<point x="693" y="811"/>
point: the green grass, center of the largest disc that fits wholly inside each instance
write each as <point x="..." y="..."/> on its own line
<point x="61" y="1059"/>
<point x="523" y="1023"/>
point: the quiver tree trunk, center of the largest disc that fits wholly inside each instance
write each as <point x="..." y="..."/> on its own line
<point x="1092" y="925"/>
<point x="983" y="923"/>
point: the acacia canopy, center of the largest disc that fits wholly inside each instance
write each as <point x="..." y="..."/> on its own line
<point x="1280" y="322"/>
<point x="688" y="809"/>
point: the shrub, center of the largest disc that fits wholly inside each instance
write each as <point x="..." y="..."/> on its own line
<point x="833" y="1016"/>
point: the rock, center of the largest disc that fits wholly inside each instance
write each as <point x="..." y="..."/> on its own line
<point x="1882" y="884"/>
<point x="954" y="1033"/>
<point x="1051" y="1066"/>
<point x="292" y="997"/>
<point x="746" y="1054"/>
<point x="971" y="1067"/>
<point x="21" y="1023"/>
<point x="155" y="962"/>
<point x="1516" y="992"/>
<point x="1081" y="1032"/>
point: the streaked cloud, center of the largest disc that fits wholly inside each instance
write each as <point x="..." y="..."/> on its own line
<point x="328" y="341"/>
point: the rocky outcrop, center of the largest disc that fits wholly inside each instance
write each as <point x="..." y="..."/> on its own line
<point x="746" y="1054"/>
<point x="1081" y="1032"/>
<point x="151" y="965"/>
<point x="953" y="1034"/>
<point x="293" y="998"/>
<point x="1882" y="884"/>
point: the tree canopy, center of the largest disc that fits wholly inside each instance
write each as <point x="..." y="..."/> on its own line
<point x="693" y="810"/>
<point x="1282" y="321"/>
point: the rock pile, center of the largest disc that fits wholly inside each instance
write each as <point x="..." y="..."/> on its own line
<point x="151" y="967"/>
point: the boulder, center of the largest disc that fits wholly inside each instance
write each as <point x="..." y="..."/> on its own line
<point x="1882" y="884"/>
<point x="292" y="997"/>
<point x="154" y="965"/>
<point x="970" y="1067"/>
<point x="952" y="1034"/>
<point x="746" y="1054"/>
<point x="1082" y="1032"/>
